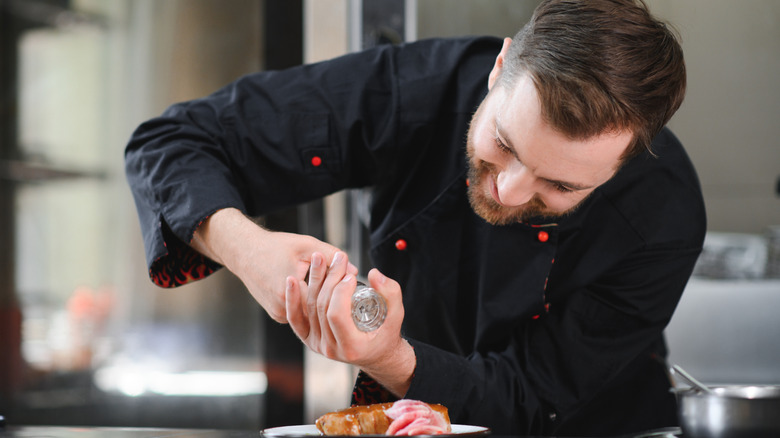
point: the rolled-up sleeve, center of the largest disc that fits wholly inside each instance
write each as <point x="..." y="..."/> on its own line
<point x="279" y="138"/>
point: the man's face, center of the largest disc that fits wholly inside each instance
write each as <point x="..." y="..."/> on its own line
<point x="521" y="167"/>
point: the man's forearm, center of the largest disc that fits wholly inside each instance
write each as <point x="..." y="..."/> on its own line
<point x="215" y="235"/>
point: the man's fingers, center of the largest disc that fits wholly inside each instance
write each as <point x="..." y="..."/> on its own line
<point x="316" y="276"/>
<point x="295" y="316"/>
<point x="336" y="272"/>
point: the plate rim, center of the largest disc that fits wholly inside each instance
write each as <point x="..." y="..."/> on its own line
<point x="311" y="430"/>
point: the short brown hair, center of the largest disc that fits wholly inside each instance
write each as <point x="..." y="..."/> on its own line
<point x="600" y="65"/>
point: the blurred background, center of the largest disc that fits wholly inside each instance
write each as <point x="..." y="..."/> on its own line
<point x="86" y="339"/>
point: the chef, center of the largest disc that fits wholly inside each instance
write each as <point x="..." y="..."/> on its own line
<point x="533" y="223"/>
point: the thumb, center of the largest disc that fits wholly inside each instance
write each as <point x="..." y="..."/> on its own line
<point x="377" y="279"/>
<point x="387" y="287"/>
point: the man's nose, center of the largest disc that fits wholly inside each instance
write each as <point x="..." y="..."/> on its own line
<point x="515" y="186"/>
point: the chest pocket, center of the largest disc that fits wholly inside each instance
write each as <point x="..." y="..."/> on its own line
<point x="467" y="285"/>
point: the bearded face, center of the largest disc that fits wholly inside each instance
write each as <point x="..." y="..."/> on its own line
<point x="521" y="167"/>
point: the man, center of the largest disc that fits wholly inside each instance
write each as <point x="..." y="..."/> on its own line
<point x="531" y="252"/>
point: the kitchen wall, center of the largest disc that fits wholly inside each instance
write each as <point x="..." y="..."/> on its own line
<point x="729" y="120"/>
<point x="437" y="18"/>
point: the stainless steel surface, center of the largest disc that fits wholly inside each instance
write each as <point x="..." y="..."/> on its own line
<point x="666" y="432"/>
<point x="690" y="379"/>
<point x="731" y="411"/>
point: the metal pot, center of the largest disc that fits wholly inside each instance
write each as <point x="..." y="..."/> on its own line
<point x="730" y="411"/>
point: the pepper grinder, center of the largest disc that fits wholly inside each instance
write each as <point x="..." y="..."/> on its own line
<point x="368" y="308"/>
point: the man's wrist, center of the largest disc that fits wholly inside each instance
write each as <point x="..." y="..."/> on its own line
<point x="396" y="371"/>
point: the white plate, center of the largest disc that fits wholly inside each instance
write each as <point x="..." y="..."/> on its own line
<point x="311" y="430"/>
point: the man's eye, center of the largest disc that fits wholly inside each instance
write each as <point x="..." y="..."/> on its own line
<point x="561" y="188"/>
<point x="501" y="146"/>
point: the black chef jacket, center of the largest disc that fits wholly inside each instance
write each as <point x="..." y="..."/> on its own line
<point x="545" y="327"/>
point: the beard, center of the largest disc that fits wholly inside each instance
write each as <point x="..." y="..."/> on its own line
<point x="491" y="211"/>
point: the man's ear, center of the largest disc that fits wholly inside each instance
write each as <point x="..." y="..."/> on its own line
<point x="499" y="65"/>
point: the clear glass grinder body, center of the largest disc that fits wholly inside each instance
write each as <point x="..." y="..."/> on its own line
<point x="368" y="308"/>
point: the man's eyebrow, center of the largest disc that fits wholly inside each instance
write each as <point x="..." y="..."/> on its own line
<point x="569" y="185"/>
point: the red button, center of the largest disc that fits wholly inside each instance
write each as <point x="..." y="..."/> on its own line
<point x="316" y="161"/>
<point x="400" y="244"/>
<point x="543" y="236"/>
<point x="468" y="183"/>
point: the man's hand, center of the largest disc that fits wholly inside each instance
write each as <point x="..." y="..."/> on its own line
<point x="320" y="315"/>
<point x="262" y="259"/>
